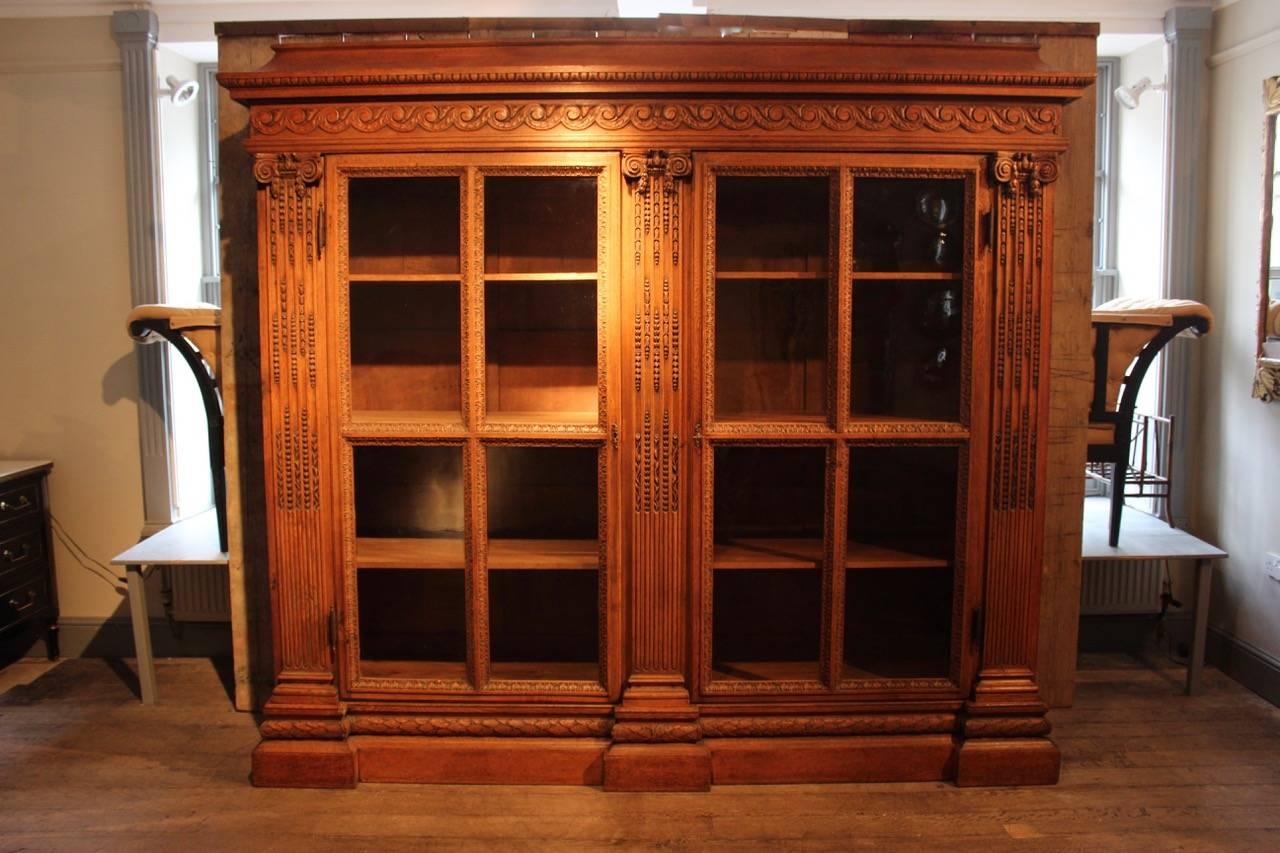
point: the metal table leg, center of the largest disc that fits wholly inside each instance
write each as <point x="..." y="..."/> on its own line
<point x="141" y="632"/>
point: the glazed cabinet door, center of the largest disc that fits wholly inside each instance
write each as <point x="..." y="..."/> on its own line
<point x="475" y="303"/>
<point x="841" y="479"/>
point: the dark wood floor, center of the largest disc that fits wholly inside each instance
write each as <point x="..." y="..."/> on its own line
<point x="84" y="766"/>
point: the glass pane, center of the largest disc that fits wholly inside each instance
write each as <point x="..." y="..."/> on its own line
<point x="403" y="226"/>
<point x="767" y="561"/>
<point x="771" y="349"/>
<point x="410" y="559"/>
<point x="900" y="561"/>
<point x="897" y="623"/>
<point x="544" y="625"/>
<point x="543" y="561"/>
<point x="904" y="497"/>
<point x="775" y="224"/>
<point x="540" y="350"/>
<point x="907" y="340"/>
<point x="412" y="623"/>
<point x="406" y="350"/>
<point x="539" y="224"/>
<point x="908" y="225"/>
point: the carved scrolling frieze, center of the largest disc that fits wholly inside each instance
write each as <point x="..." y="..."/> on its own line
<point x="839" y="116"/>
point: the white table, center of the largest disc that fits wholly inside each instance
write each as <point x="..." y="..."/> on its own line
<point x="190" y="542"/>
<point x="1145" y="537"/>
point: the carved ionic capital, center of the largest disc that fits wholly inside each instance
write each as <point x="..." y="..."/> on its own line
<point x="1022" y="171"/>
<point x="640" y="167"/>
<point x="269" y="168"/>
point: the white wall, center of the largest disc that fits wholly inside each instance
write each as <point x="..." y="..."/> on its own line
<point x="1140" y="192"/>
<point x="68" y="385"/>
<point x="1238" y="467"/>
<point x="180" y="168"/>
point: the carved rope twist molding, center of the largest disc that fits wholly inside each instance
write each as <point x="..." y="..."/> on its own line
<point x="258" y="79"/>
<point x="481" y="726"/>
<point x="980" y="727"/>
<point x="828" y="725"/>
<point x="655" y="116"/>
<point x="303" y="729"/>
<point x="656" y="733"/>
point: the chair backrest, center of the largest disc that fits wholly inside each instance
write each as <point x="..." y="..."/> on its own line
<point x="1128" y="334"/>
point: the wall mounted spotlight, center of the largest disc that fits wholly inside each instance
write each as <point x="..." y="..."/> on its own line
<point x="1128" y="96"/>
<point x="180" y="92"/>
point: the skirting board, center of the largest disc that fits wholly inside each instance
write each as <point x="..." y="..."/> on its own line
<point x="1250" y="666"/>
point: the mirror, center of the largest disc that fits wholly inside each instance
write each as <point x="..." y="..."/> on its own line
<point x="1266" y="384"/>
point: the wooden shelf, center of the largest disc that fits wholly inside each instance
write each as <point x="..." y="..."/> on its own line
<point x="772" y="275"/>
<point x="771" y="670"/>
<point x="584" y="671"/>
<point x="807" y="554"/>
<point x="427" y="670"/>
<point x="403" y="278"/>
<point x="544" y="554"/>
<point x="562" y="418"/>
<point x="541" y="276"/>
<point x="895" y="275"/>
<point x="445" y="417"/>
<point x="440" y="553"/>
<point x="395" y="553"/>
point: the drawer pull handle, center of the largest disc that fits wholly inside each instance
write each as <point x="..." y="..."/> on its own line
<point x="17" y="556"/>
<point x="22" y="503"/>
<point x="27" y="605"/>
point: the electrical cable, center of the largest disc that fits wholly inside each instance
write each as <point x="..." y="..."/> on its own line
<point x="86" y="560"/>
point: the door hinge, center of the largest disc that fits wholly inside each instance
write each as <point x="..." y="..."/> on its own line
<point x="613" y="436"/>
<point x="697" y="434"/>
<point x="320" y="227"/>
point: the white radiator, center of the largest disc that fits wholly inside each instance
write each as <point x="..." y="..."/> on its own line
<point x="1113" y="588"/>
<point x="200" y="594"/>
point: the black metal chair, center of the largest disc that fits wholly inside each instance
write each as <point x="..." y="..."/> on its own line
<point x="195" y="332"/>
<point x="1128" y="335"/>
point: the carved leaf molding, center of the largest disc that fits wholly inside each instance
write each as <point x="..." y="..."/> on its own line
<point x="657" y="116"/>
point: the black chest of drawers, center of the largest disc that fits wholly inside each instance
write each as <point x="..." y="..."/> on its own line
<point x="28" y="595"/>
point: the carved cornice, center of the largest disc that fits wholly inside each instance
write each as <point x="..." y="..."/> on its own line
<point x="868" y="117"/>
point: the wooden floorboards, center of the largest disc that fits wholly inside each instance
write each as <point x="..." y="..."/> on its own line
<point x="84" y="766"/>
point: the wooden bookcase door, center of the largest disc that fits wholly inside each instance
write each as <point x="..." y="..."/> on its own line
<point x="843" y="340"/>
<point x="476" y="298"/>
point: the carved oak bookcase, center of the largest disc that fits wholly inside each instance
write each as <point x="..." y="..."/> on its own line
<point x="654" y="412"/>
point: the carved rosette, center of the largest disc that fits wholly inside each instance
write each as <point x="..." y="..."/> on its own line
<point x="1019" y="416"/>
<point x="295" y="419"/>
